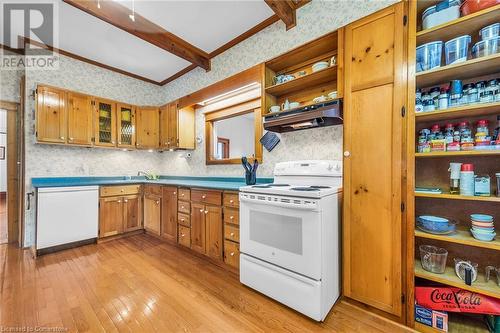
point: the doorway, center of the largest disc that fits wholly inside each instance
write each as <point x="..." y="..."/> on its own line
<point x="10" y="164"/>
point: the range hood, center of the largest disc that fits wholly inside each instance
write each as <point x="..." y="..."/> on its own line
<point x="317" y="115"/>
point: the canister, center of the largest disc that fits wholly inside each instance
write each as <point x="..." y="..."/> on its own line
<point x="467" y="179"/>
<point x="482" y="186"/>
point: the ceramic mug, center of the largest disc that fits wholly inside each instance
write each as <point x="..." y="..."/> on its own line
<point x="275" y="108"/>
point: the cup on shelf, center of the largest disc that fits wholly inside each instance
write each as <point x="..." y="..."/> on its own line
<point x="433" y="259"/>
<point x="275" y="108"/>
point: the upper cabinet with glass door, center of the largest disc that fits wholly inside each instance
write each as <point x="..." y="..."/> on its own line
<point x="105" y="123"/>
<point x="126" y="126"/>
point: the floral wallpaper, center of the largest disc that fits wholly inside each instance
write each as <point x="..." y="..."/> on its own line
<point x="313" y="20"/>
<point x="10" y="80"/>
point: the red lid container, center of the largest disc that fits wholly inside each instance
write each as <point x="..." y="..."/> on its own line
<point x="467" y="167"/>
<point x="435" y="127"/>
<point x="449" y="125"/>
<point x="482" y="122"/>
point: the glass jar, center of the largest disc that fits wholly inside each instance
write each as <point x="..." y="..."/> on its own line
<point x="448" y="133"/>
<point x="443" y="100"/>
<point x="428" y="103"/>
<point x="455" y="93"/>
<point x="472" y="94"/>
<point x="419" y="107"/>
<point x="434" y="93"/>
<point x="488" y="94"/>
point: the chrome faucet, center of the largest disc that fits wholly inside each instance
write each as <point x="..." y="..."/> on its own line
<point x="149" y="176"/>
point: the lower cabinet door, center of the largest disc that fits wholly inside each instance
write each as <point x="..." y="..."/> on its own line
<point x="198" y="227"/>
<point x="232" y="254"/>
<point x="184" y="236"/>
<point x="213" y="217"/>
<point x="169" y="213"/>
<point x="132" y="213"/>
<point x="152" y="214"/>
<point x="110" y="216"/>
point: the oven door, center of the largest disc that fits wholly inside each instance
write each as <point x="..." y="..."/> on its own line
<point x="285" y="231"/>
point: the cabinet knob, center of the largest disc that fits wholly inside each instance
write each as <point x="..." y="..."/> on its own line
<point x="182" y="220"/>
<point x="122" y="190"/>
<point x="71" y="139"/>
<point x="182" y="235"/>
<point x="182" y="194"/>
<point x="113" y="142"/>
<point x="157" y="202"/>
<point x="231" y="234"/>
<point x="206" y="212"/>
<point x="202" y="210"/>
<point x="175" y="193"/>
<point x="119" y="142"/>
<point x="119" y="201"/>
<point x="62" y="137"/>
<point x="347" y="153"/>
<point x="231" y="201"/>
<point x="125" y="200"/>
<point x="182" y="207"/>
<point x="231" y="254"/>
<point x="203" y="196"/>
<point x="231" y="217"/>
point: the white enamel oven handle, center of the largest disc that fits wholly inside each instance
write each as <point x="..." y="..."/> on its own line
<point x="304" y="204"/>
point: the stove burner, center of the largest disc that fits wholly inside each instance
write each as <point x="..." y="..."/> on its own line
<point x="261" y="186"/>
<point x="305" y="189"/>
<point x="278" y="185"/>
<point x="320" y="186"/>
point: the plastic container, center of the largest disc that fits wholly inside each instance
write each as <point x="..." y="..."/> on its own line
<point x="429" y="56"/>
<point x="490" y="31"/>
<point x="433" y="259"/>
<point x="486" y="47"/>
<point x="482" y="186"/>
<point x="441" y="13"/>
<point x="456" y="50"/>
<point x="472" y="6"/>
<point x="467" y="179"/>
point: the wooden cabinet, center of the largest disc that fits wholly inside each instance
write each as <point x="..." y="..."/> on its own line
<point x="169" y="213"/>
<point x="120" y="210"/>
<point x="232" y="254"/>
<point x="231" y="229"/>
<point x="152" y="213"/>
<point x="105" y="122"/>
<point x="79" y="114"/>
<point x="198" y="227"/>
<point x="213" y="224"/>
<point x="110" y="216"/>
<point x="177" y="127"/>
<point x="132" y="215"/>
<point x="148" y="129"/>
<point x="51" y="122"/>
<point x="374" y="97"/>
<point x="125" y="125"/>
<point x="184" y="236"/>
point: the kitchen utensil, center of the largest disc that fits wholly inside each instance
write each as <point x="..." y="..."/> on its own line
<point x="433" y="259"/>
<point x="270" y="140"/>
<point x="319" y="66"/>
<point x="428" y="56"/>
<point x="255" y="166"/>
<point x="246" y="165"/>
<point x="486" y="47"/>
<point x="491" y="269"/>
<point x="463" y="266"/>
<point x="472" y="6"/>
<point x="490" y="31"/>
<point x="456" y="50"/>
<point x="275" y="108"/>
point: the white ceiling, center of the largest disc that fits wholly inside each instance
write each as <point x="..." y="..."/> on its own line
<point x="206" y="24"/>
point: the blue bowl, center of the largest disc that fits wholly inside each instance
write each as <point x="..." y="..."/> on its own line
<point x="482" y="236"/>
<point x="483" y="230"/>
<point x="481" y="217"/>
<point x="434" y="224"/>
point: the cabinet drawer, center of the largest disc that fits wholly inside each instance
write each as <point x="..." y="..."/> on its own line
<point x="184" y="219"/>
<point x="231" y="215"/>
<point x="206" y="196"/>
<point x="184" y="207"/>
<point x="232" y="233"/>
<point x="152" y="189"/>
<point x="111" y="191"/>
<point x="184" y="236"/>
<point x="184" y="194"/>
<point x="232" y="254"/>
<point x="231" y="200"/>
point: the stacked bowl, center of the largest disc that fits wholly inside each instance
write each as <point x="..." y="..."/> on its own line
<point x="483" y="228"/>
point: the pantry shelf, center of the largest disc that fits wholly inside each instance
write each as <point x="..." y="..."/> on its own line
<point x="456" y="197"/>
<point x="465" y="70"/>
<point x="316" y="78"/>
<point x="465" y="25"/>
<point x="461" y="236"/>
<point x="450" y="278"/>
<point x="459" y="153"/>
<point x="475" y="110"/>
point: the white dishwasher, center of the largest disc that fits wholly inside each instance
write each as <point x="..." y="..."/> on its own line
<point x="66" y="215"/>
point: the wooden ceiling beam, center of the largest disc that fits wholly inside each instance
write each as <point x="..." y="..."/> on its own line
<point x="285" y="12"/>
<point x="118" y="15"/>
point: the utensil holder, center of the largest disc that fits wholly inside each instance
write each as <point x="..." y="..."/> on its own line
<point x="250" y="178"/>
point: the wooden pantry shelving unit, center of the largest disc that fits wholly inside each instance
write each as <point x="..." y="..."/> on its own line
<point x="304" y="88"/>
<point x="431" y="169"/>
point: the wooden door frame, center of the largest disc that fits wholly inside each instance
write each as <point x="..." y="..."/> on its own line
<point x="15" y="129"/>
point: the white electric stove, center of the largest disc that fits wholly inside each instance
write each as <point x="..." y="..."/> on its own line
<point x="289" y="236"/>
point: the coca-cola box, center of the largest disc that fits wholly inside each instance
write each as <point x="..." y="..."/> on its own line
<point x="456" y="300"/>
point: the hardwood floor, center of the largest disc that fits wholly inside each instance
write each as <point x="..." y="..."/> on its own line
<point x="141" y="284"/>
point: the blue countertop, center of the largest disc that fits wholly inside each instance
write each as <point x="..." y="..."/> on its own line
<point x="218" y="183"/>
